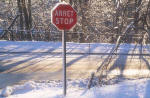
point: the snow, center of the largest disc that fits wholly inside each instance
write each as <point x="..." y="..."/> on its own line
<point x="35" y="46"/>
<point x="6" y="92"/>
<point x="139" y="88"/>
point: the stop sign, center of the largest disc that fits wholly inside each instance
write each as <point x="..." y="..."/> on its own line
<point x="64" y="17"/>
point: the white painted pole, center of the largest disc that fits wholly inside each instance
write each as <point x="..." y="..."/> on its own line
<point x="64" y="62"/>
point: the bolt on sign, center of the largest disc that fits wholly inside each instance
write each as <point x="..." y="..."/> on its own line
<point x="64" y="17"/>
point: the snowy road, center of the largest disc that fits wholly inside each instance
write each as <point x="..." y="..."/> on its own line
<point x="36" y="62"/>
<point x="22" y="67"/>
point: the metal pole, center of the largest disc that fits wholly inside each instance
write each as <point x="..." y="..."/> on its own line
<point x="64" y="61"/>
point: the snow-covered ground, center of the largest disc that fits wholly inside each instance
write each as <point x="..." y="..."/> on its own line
<point x="25" y="66"/>
<point x="77" y="89"/>
<point x="35" y="46"/>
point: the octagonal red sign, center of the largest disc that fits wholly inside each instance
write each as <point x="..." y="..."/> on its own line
<point x="64" y="17"/>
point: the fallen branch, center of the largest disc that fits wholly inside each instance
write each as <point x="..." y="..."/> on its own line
<point x="11" y="25"/>
<point x="108" y="60"/>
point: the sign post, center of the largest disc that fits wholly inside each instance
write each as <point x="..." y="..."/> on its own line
<point x="64" y="61"/>
<point x="64" y="17"/>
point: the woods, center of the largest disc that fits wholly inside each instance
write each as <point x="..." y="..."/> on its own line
<point x="98" y="21"/>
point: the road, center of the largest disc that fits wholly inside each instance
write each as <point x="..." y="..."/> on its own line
<point x="20" y="67"/>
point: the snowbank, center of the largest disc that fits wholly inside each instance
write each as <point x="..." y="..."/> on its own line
<point x="76" y="89"/>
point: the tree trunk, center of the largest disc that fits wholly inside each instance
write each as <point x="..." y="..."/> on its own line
<point x="21" y="22"/>
<point x="28" y="18"/>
